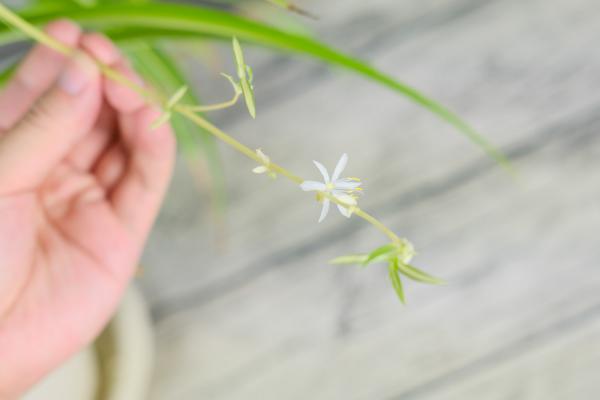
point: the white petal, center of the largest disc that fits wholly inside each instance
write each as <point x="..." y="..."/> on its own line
<point x="307" y="186"/>
<point x="345" y="211"/>
<point x="260" y="169"/>
<point x="346" y="185"/>
<point x="324" y="210"/>
<point x="339" y="168"/>
<point x="344" y="198"/>
<point x="323" y="171"/>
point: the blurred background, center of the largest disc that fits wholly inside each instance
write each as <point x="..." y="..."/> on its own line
<point x="264" y="317"/>
<point x="242" y="300"/>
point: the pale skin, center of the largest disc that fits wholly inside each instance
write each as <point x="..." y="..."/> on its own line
<point x="82" y="178"/>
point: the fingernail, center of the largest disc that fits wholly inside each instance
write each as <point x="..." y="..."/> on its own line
<point x="77" y="74"/>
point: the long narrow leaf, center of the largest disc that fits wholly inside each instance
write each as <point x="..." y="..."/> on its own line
<point x="349" y="259"/>
<point x="418" y="275"/>
<point x="383" y="252"/>
<point x="158" y="68"/>
<point x="6" y="74"/>
<point x="185" y="19"/>
<point x="396" y="281"/>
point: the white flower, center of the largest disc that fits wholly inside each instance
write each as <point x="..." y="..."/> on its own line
<point x="266" y="165"/>
<point x="342" y="189"/>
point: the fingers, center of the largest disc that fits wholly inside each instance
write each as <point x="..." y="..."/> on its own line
<point x="137" y="196"/>
<point x="111" y="167"/>
<point x="86" y="154"/>
<point x="35" y="74"/>
<point x="57" y="121"/>
<point x="120" y="97"/>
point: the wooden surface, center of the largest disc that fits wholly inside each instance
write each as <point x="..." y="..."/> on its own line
<point x="267" y="318"/>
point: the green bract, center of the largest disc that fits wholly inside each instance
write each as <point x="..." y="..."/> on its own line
<point x="385" y="252"/>
<point x="396" y="281"/>
<point x="245" y="75"/>
<point x="168" y="111"/>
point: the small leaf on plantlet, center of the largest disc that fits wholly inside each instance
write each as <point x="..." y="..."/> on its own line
<point x="386" y="251"/>
<point x="396" y="281"/>
<point x="349" y="259"/>
<point x="418" y="275"/>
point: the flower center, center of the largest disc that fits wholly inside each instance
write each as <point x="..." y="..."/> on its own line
<point x="330" y="186"/>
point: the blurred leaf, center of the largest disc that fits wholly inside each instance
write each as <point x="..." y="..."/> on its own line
<point x="396" y="281"/>
<point x="292" y="7"/>
<point x="87" y="3"/>
<point x="193" y="20"/>
<point x="6" y="74"/>
<point x="162" y="72"/>
<point x="418" y="275"/>
<point x="177" y="96"/>
<point x="382" y="252"/>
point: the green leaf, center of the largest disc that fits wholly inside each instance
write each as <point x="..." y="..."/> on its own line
<point x="162" y="73"/>
<point x="418" y="275"/>
<point x="280" y="3"/>
<point x="239" y="59"/>
<point x="349" y="259"/>
<point x="245" y="82"/>
<point x="249" y="97"/>
<point x="6" y="74"/>
<point x="250" y="74"/>
<point x="396" y="281"/>
<point x="188" y="20"/>
<point x="380" y="253"/>
<point x="87" y="3"/>
<point x="177" y="96"/>
<point x="161" y="120"/>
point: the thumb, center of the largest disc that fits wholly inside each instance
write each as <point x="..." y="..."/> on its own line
<point x="57" y="121"/>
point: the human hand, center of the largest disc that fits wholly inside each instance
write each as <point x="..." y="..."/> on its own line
<point x="81" y="180"/>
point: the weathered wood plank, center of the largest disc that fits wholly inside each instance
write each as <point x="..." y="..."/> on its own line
<point x="560" y="364"/>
